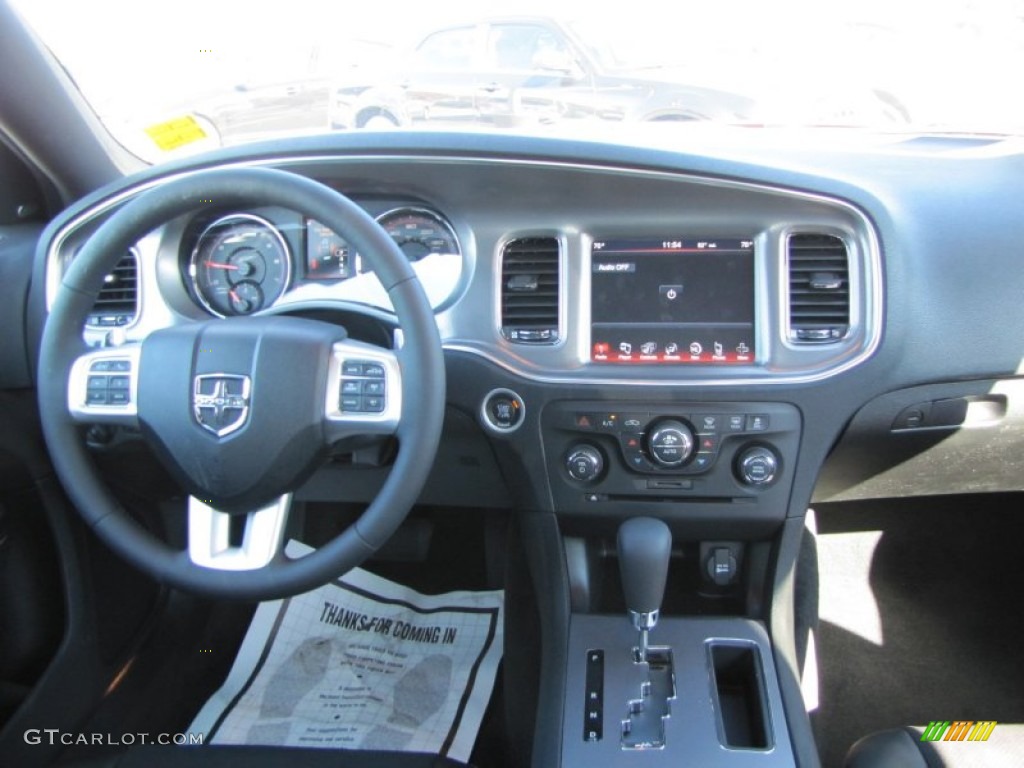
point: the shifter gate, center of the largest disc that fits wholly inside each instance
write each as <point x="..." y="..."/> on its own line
<point x="644" y="726"/>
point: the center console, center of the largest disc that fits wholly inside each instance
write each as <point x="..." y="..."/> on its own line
<point x="697" y="685"/>
<point x="709" y="686"/>
<point x="663" y="691"/>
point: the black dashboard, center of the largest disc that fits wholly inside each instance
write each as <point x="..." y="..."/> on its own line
<point x="576" y="281"/>
<point x="714" y="336"/>
<point x="674" y="285"/>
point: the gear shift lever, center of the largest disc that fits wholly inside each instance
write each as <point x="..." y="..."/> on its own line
<point x="644" y="548"/>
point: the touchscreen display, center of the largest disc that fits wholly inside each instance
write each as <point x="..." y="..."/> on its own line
<point x="672" y="301"/>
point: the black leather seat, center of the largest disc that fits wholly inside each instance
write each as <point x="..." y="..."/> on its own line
<point x="903" y="748"/>
<point x="265" y="757"/>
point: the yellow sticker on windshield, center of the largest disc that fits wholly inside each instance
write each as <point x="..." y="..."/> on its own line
<point x="176" y="133"/>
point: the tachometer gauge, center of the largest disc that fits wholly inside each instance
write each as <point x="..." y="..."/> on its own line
<point x="240" y="264"/>
<point x="418" y="232"/>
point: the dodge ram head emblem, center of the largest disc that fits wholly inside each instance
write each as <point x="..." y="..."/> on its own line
<point x="220" y="402"/>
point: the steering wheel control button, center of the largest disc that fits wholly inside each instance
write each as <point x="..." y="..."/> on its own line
<point x="670" y="443"/>
<point x="757" y="466"/>
<point x="585" y="463"/>
<point x="503" y="411"/>
<point x="363" y="387"/>
<point x="105" y="388"/>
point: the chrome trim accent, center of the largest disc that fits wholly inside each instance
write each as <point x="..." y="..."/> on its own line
<point x="644" y="621"/>
<point x="562" y="242"/>
<point x="193" y="269"/>
<point x="485" y="417"/>
<point x="853" y="271"/>
<point x="420" y="210"/>
<point x="209" y="535"/>
<point x="220" y="400"/>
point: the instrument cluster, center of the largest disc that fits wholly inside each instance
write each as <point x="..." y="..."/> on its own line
<point x="240" y="263"/>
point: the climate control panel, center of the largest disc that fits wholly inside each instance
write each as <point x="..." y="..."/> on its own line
<point x="713" y="454"/>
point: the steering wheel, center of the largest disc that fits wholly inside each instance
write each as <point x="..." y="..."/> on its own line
<point x="242" y="410"/>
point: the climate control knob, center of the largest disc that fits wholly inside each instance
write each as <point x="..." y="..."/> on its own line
<point x="584" y="463"/>
<point x="670" y="443"/>
<point x="757" y="466"/>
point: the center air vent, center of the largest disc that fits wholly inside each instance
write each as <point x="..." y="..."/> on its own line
<point x="118" y="302"/>
<point x="819" y="288"/>
<point x="529" y="290"/>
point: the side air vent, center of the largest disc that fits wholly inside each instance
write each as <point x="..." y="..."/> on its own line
<point x="819" y="288"/>
<point x="118" y="302"/>
<point x="529" y="290"/>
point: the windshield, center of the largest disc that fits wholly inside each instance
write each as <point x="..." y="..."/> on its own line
<point x="168" y="80"/>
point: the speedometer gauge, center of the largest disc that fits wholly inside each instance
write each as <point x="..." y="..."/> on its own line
<point x="419" y="232"/>
<point x="240" y="264"/>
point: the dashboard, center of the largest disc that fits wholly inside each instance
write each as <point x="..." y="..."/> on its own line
<point x="575" y="285"/>
<point x="541" y="268"/>
<point x="598" y="280"/>
<point x="714" y="336"/>
<point x="622" y="331"/>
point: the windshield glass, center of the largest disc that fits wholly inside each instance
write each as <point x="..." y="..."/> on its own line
<point x="170" y="79"/>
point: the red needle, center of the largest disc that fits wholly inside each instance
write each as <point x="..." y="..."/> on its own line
<point x="234" y="296"/>
<point x="217" y="265"/>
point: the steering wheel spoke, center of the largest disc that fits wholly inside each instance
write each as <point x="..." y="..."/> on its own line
<point x="236" y="542"/>
<point x="103" y="386"/>
<point x="364" y="391"/>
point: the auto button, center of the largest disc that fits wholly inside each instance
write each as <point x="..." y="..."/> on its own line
<point x="670" y="443"/>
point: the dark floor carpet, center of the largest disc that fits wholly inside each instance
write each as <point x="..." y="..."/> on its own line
<point x="947" y="575"/>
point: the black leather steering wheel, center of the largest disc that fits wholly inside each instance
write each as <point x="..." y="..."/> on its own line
<point x="241" y="410"/>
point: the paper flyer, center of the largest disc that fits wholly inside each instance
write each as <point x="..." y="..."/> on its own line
<point x="362" y="663"/>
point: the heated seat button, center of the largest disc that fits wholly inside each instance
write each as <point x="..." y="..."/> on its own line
<point x="757" y="466"/>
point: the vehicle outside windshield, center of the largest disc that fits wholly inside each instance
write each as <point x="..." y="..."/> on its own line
<point x="168" y="80"/>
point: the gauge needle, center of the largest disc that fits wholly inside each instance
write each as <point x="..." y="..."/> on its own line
<point x="234" y="296"/>
<point x="218" y="265"/>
